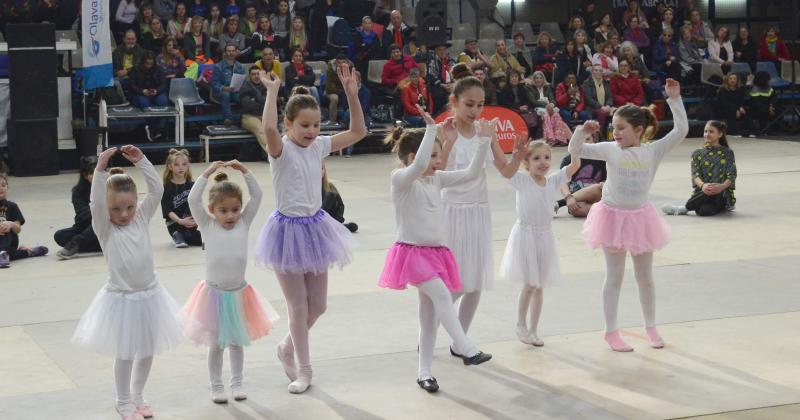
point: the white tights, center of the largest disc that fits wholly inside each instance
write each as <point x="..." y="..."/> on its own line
<point x="436" y="305"/>
<point x="306" y="300"/>
<point x="530" y="298"/>
<point x="130" y="377"/>
<point x="467" y="307"/>
<point x="643" y="271"/>
<point x="236" y="355"/>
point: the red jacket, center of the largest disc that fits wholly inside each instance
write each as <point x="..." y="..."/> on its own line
<point x="393" y="72"/>
<point x="410" y="96"/>
<point x="562" y="98"/>
<point x="781" y="52"/>
<point x="627" y="90"/>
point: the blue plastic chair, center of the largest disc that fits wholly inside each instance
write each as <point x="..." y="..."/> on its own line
<point x="774" y="79"/>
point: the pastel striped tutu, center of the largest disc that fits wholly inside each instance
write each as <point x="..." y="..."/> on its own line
<point x="304" y="244"/>
<point x="634" y="230"/>
<point x="413" y="264"/>
<point x="227" y="318"/>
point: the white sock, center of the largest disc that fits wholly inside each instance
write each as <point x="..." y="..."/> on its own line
<point x="643" y="270"/>
<point x="443" y="304"/>
<point x="215" y="353"/>
<point x="122" y="381"/>
<point x="615" y="270"/>
<point x="537" y="300"/>
<point x="141" y="371"/>
<point x="523" y="304"/>
<point x="236" y="355"/>
<point x="428" y="324"/>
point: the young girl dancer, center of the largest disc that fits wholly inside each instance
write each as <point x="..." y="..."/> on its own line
<point x="133" y="317"/>
<point x="624" y="221"/>
<point x="468" y="221"/>
<point x="531" y="256"/>
<point x="177" y="183"/>
<point x="225" y="311"/>
<point x="418" y="257"/>
<point x="300" y="241"/>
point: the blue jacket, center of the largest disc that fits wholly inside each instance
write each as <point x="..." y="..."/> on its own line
<point x="660" y="54"/>
<point x="223" y="72"/>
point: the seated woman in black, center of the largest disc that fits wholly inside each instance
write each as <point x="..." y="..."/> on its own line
<point x="79" y="238"/>
<point x="515" y="95"/>
<point x="332" y="201"/>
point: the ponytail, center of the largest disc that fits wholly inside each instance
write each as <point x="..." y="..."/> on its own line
<point x="405" y="141"/>
<point x="722" y="127"/>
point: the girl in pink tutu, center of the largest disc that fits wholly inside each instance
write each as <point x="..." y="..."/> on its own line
<point x="624" y="221"/>
<point x="133" y="317"/>
<point x="419" y="257"/>
<point x="530" y="257"/>
<point x="224" y="310"/>
<point x="299" y="240"/>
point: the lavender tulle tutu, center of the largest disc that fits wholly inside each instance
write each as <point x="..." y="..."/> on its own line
<point x="634" y="230"/>
<point x="413" y="264"/>
<point x="303" y="244"/>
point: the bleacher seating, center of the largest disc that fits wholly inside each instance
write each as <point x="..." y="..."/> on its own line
<point x="491" y="30"/>
<point x="775" y="79"/>
<point x="526" y="30"/>
<point x="463" y="31"/>
<point x="554" y="30"/>
<point x="786" y="71"/>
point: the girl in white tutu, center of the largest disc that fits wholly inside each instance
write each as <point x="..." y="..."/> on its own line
<point x="468" y="219"/>
<point x="531" y="256"/>
<point x="224" y="310"/>
<point x="624" y="220"/>
<point x="419" y="257"/>
<point x="299" y="240"/>
<point x="133" y="317"/>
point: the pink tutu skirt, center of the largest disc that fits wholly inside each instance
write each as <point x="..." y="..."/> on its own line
<point x="413" y="264"/>
<point x="634" y="230"/>
<point x="227" y="318"/>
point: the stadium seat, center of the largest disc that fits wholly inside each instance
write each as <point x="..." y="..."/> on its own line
<point x="463" y="31"/>
<point x="554" y="30"/>
<point x="525" y="29"/>
<point x="490" y="30"/>
<point x="709" y="70"/>
<point x="375" y="70"/>
<point x="786" y="71"/>
<point x="775" y="79"/>
<point x="186" y="90"/>
<point x="487" y="46"/>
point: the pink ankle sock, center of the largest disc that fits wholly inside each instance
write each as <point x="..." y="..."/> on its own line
<point x="656" y="341"/>
<point x="616" y="342"/>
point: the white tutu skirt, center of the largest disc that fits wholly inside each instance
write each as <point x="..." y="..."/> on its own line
<point x="469" y="237"/>
<point x="531" y="256"/>
<point x="130" y="325"/>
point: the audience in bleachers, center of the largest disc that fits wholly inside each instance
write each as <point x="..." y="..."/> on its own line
<point x="603" y="30"/>
<point x="253" y="95"/>
<point x="143" y="19"/>
<point x="745" y="49"/>
<point x="689" y="57"/>
<point x="665" y="56"/>
<point x="171" y="59"/>
<point x="440" y="77"/>
<point x="599" y="97"/>
<point x="472" y="55"/>
<point x="720" y="49"/>
<point x="233" y="36"/>
<point x="366" y="46"/>
<point x="772" y="47"/>
<point x="164" y="9"/>
<point x="220" y="84"/>
<point x="545" y="55"/>
<point x="731" y="99"/>
<point x="522" y="53"/>
<point x="606" y="60"/>
<point x="516" y="96"/>
<point x="125" y="57"/>
<point x="626" y="86"/>
<point x="125" y="17"/>
<point x="415" y="93"/>
<point x="397" y="67"/>
<point x="701" y="31"/>
<point x="334" y="91"/>
<point x="263" y="37"/>
<point x="298" y="73"/>
<point x="196" y="43"/>
<point x="178" y="25"/>
<point x="501" y="63"/>
<point x="763" y="101"/>
<point x="153" y="39"/>
<point x="396" y="32"/>
<point x="488" y="86"/>
<point x="570" y="100"/>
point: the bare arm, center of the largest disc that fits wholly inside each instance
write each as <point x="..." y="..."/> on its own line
<point x="358" y="128"/>
<point x="269" y="117"/>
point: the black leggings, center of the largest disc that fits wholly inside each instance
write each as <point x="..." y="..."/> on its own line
<point x="10" y="243"/>
<point x="707" y="205"/>
<point x="81" y="235"/>
<point x="191" y="236"/>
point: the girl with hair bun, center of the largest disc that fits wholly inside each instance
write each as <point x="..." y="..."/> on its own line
<point x="624" y="221"/>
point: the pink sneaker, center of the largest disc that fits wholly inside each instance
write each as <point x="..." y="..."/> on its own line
<point x="616" y="342"/>
<point x="656" y="341"/>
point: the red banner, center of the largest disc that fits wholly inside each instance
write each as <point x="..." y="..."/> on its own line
<point x="508" y="126"/>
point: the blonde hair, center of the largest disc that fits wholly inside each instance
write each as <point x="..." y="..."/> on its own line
<point x="120" y="182"/>
<point x="174" y="154"/>
<point x="222" y="189"/>
<point x="327" y="186"/>
<point x="531" y="148"/>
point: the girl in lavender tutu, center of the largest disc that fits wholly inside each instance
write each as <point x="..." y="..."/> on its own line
<point x="299" y="240"/>
<point x="419" y="257"/>
<point x="624" y="221"/>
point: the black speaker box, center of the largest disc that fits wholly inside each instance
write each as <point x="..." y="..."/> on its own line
<point x="33" y="84"/>
<point x="431" y="17"/>
<point x="20" y="35"/>
<point x="33" y="147"/>
<point x="789" y="24"/>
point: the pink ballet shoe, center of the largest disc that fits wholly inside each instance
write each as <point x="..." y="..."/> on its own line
<point x="616" y="342"/>
<point x="656" y="341"/>
<point x="132" y="416"/>
<point x="145" y="410"/>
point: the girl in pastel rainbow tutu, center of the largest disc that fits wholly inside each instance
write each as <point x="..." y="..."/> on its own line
<point x="531" y="257"/>
<point x="224" y="310"/>
<point x="133" y="317"/>
<point x="624" y="221"/>
<point x="419" y="257"/>
<point x="300" y="241"/>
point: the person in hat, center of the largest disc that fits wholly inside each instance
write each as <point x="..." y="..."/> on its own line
<point x="440" y="76"/>
<point x="472" y="55"/>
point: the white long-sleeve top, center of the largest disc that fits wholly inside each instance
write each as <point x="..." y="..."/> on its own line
<point x="417" y="198"/>
<point x="631" y="170"/>
<point x="126" y="11"/>
<point x="476" y="190"/>
<point x="127" y="248"/>
<point x="225" y="249"/>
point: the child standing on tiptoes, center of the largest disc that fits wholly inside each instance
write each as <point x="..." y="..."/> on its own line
<point x="224" y="310"/>
<point x="300" y="241"/>
<point x="468" y="219"/>
<point x="530" y="257"/>
<point x="132" y="317"/>
<point x="624" y="221"/>
<point x="419" y="257"/>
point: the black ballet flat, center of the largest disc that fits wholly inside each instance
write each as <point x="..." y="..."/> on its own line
<point x="477" y="359"/>
<point x="428" y="384"/>
<point x="454" y="354"/>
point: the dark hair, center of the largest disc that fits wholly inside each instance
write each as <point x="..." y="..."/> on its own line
<point x="395" y="47"/>
<point x="84" y="187"/>
<point x="405" y="141"/>
<point x="299" y="90"/>
<point x="466" y="83"/>
<point x="460" y="71"/>
<point x="147" y="55"/>
<point x="298" y="103"/>
<point x="223" y="188"/>
<point x="761" y="79"/>
<point x="639" y="116"/>
<point x="722" y="127"/>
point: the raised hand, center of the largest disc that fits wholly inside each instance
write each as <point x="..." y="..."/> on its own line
<point x="487" y="128"/>
<point x="425" y="116"/>
<point x="235" y="164"/>
<point x="132" y="153"/>
<point x="447" y="131"/>
<point x="591" y="127"/>
<point x="520" y="144"/>
<point x="673" y="88"/>
<point x="348" y="78"/>
<point x="213" y="168"/>
<point x="270" y="80"/>
<point x="102" y="160"/>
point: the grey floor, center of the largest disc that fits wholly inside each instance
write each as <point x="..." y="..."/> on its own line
<point x="728" y="301"/>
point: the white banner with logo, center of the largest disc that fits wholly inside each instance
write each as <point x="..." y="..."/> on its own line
<point x="96" y="41"/>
